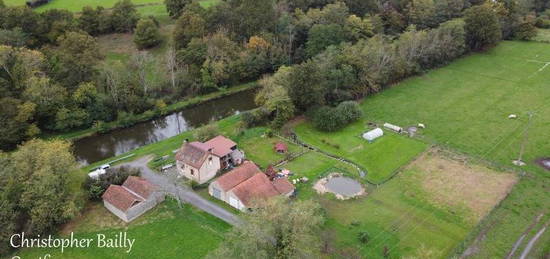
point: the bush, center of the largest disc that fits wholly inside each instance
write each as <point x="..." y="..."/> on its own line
<point x="207" y="132"/>
<point x="256" y="117"/>
<point x="96" y="187"/>
<point x="331" y="119"/>
<point x="147" y="34"/>
<point x="363" y="237"/>
<point x="350" y="111"/>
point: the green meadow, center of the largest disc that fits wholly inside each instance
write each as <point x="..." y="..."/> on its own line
<point x="167" y="231"/>
<point x="150" y="6"/>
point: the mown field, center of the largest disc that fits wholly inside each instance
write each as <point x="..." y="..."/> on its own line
<point x="465" y="106"/>
<point x="148" y="6"/>
<point x="164" y="232"/>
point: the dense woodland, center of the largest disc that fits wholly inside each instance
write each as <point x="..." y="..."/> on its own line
<point x="310" y="56"/>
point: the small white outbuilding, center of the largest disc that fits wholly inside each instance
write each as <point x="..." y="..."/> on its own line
<point x="373" y="134"/>
<point x="393" y="127"/>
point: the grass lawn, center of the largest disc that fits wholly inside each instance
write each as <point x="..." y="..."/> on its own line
<point x="380" y="158"/>
<point x="164" y="232"/>
<point x="259" y="148"/>
<point x="77" y="5"/>
<point x="314" y="165"/>
<point x="409" y="216"/>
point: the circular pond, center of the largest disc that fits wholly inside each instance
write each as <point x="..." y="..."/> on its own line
<point x="343" y="187"/>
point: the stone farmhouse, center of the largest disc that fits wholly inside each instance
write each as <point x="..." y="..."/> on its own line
<point x="242" y="185"/>
<point x="202" y="161"/>
<point x="131" y="199"/>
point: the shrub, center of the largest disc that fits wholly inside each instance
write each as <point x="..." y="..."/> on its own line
<point x="207" y="132"/>
<point x="147" y="34"/>
<point x="350" y="111"/>
<point x="269" y="133"/>
<point x="331" y="119"/>
<point x="96" y="187"/>
<point x="256" y="117"/>
<point x="363" y="237"/>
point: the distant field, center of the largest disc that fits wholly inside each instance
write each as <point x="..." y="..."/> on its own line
<point x="76" y="5"/>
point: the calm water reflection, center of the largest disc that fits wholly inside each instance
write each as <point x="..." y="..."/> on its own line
<point x="96" y="148"/>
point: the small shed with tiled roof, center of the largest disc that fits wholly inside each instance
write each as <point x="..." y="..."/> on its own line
<point x="131" y="199"/>
<point x="280" y="147"/>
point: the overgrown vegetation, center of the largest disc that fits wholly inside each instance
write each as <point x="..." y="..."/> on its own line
<point x="95" y="187"/>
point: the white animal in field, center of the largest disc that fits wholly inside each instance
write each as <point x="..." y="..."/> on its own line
<point x="420" y="125"/>
<point x="512" y="116"/>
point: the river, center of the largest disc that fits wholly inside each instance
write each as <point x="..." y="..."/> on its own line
<point x="99" y="147"/>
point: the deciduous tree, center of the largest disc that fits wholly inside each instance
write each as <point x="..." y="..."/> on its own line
<point x="147" y="34"/>
<point x="482" y="27"/>
<point x="276" y="228"/>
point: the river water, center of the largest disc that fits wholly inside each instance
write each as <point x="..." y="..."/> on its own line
<point x="96" y="148"/>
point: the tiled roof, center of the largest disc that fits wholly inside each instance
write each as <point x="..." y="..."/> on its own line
<point x="134" y="189"/>
<point x="237" y="175"/>
<point x="283" y="186"/>
<point x="256" y="187"/>
<point x="280" y="146"/>
<point x="194" y="154"/>
<point x="140" y="186"/>
<point x="221" y="146"/>
<point x="120" y="197"/>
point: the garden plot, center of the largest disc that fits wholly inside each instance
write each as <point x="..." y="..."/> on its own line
<point x="380" y="158"/>
<point x="418" y="213"/>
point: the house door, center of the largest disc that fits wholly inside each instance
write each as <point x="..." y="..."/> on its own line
<point x="233" y="202"/>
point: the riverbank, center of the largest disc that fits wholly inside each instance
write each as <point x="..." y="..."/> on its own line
<point x="131" y="120"/>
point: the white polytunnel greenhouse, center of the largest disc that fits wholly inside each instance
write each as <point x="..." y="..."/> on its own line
<point x="373" y="134"/>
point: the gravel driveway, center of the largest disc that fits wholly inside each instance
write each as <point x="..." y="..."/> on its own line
<point x="185" y="194"/>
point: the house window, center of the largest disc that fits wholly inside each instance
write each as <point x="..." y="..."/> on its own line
<point x="192" y="172"/>
<point x="210" y="160"/>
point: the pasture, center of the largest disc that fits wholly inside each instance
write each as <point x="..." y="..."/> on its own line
<point x="465" y="107"/>
<point x="150" y="7"/>
<point x="409" y="217"/>
<point x="466" y="104"/>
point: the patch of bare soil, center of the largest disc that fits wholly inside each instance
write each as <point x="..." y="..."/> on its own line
<point x="453" y="183"/>
<point x="544" y="162"/>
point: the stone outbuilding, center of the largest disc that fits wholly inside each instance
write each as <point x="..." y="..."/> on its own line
<point x="133" y="198"/>
<point x="247" y="182"/>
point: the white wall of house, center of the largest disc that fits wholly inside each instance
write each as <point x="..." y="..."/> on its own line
<point x="234" y="201"/>
<point x="208" y="170"/>
<point x="216" y="191"/>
